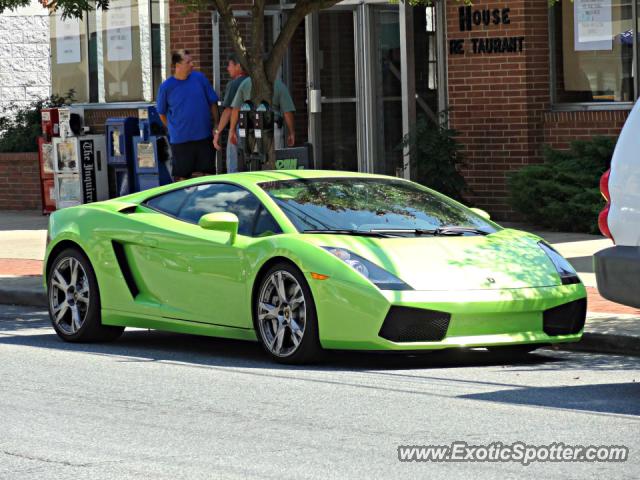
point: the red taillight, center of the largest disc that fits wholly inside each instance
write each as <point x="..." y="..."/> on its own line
<point x="603" y="218"/>
<point x="602" y="222"/>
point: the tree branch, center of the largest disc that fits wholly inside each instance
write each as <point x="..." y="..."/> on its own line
<point x="257" y="31"/>
<point x="301" y="10"/>
<point x="231" y="26"/>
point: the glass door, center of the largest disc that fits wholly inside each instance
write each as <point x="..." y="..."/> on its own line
<point x="386" y="88"/>
<point x="335" y="115"/>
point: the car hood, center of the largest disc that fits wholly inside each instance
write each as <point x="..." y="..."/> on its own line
<point x="507" y="259"/>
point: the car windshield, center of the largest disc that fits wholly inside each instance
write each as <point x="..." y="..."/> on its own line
<point x="370" y="204"/>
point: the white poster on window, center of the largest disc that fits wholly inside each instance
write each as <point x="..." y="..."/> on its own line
<point x="593" y="28"/>
<point x="119" y="31"/>
<point x="67" y="40"/>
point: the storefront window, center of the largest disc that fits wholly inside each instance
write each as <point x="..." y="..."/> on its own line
<point x="121" y="52"/>
<point x="116" y="55"/>
<point x="69" y="57"/>
<point x="593" y="47"/>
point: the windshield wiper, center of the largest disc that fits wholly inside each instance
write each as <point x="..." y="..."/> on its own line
<point x="460" y="231"/>
<point x="345" y="231"/>
<point x="451" y="231"/>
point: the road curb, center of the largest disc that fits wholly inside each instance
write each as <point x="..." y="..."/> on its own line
<point x="605" y="343"/>
<point x="28" y="298"/>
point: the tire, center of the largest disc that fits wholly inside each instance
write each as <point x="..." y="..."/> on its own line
<point x="74" y="301"/>
<point x="286" y="322"/>
<point x="514" y="351"/>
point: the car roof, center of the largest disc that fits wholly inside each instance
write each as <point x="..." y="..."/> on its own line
<point x="247" y="179"/>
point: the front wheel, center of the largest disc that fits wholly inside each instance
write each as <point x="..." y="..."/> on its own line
<point x="74" y="300"/>
<point x="285" y="316"/>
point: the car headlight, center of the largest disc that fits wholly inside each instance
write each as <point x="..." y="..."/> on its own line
<point x="376" y="275"/>
<point x="566" y="271"/>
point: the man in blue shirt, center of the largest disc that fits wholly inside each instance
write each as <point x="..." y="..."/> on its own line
<point x="186" y="103"/>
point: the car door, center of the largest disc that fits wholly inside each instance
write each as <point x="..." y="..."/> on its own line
<point x="195" y="273"/>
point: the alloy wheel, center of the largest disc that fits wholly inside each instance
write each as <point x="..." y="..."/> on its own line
<point x="69" y="295"/>
<point x="282" y="313"/>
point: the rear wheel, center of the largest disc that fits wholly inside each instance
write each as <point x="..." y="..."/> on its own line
<point x="285" y="316"/>
<point x="74" y="300"/>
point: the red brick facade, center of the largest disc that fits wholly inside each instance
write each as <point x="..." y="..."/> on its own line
<point x="500" y="103"/>
<point x="20" y="181"/>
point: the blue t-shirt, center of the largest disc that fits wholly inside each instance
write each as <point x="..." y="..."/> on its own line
<point x="187" y="105"/>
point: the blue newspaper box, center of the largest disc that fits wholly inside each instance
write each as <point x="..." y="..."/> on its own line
<point x="120" y="133"/>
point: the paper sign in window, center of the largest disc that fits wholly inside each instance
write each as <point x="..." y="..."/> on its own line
<point x="119" y="47"/>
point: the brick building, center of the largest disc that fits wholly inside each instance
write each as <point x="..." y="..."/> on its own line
<point x="513" y="75"/>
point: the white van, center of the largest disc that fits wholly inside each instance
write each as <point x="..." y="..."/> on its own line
<point x="617" y="268"/>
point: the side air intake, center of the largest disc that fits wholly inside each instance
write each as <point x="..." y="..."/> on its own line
<point x="121" y="256"/>
<point x="405" y="324"/>
<point x="565" y="319"/>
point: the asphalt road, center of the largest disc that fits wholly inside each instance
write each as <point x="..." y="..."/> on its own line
<point x="156" y="405"/>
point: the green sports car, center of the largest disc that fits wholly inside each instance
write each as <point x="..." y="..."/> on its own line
<point x="304" y="261"/>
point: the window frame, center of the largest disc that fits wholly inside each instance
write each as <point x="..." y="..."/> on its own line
<point x="557" y="106"/>
<point x="254" y="220"/>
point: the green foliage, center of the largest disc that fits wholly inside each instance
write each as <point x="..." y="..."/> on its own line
<point x="20" y="125"/>
<point x="563" y="193"/>
<point x="436" y="156"/>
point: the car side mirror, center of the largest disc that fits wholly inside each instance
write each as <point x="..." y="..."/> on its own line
<point x="481" y="212"/>
<point x="221" y="222"/>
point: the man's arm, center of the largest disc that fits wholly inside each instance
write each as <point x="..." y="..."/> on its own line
<point x="235" y="114"/>
<point x="222" y="124"/>
<point x="291" y="127"/>
<point x="164" y="119"/>
<point x="215" y="113"/>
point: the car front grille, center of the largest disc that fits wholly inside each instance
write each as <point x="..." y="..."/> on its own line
<point x="565" y="319"/>
<point x="405" y="324"/>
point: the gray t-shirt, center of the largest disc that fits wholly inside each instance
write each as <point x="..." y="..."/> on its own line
<point x="231" y="90"/>
<point x="281" y="102"/>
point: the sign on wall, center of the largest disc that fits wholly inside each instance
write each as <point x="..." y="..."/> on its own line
<point x="119" y="47"/>
<point x="471" y="19"/>
<point x="592" y="25"/>
<point x="67" y="40"/>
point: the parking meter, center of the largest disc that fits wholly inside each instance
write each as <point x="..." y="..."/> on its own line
<point x="245" y="124"/>
<point x="263" y="122"/>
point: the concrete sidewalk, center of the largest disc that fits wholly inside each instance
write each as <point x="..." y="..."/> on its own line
<point x="610" y="327"/>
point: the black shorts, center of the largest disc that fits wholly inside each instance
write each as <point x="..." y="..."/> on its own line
<point x="190" y="157"/>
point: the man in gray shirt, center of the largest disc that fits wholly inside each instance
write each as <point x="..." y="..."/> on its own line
<point x="282" y="106"/>
<point x="238" y="75"/>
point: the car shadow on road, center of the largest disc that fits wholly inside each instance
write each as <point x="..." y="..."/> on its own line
<point x="153" y="345"/>
<point x="604" y="398"/>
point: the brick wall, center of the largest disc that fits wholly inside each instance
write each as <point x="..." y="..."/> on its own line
<point x="192" y="31"/>
<point x="497" y="100"/>
<point x="560" y="128"/>
<point x="19" y="181"/>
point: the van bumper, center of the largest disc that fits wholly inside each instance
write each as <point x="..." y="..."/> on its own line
<point x="618" y="274"/>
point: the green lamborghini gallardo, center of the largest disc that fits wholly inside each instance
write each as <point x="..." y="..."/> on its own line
<point x="304" y="261"/>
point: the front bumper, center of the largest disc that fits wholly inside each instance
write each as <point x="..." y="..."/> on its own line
<point x="618" y="274"/>
<point x="351" y="317"/>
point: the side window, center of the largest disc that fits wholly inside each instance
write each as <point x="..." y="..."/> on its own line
<point x="265" y="224"/>
<point x="221" y="197"/>
<point x="170" y="203"/>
